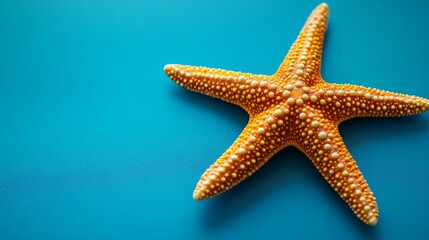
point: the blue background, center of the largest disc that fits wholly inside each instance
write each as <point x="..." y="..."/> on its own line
<point x="97" y="143"/>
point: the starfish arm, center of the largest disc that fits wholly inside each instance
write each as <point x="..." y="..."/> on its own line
<point x="323" y="144"/>
<point x="234" y="87"/>
<point x="303" y="61"/>
<point x="264" y="135"/>
<point x="348" y="101"/>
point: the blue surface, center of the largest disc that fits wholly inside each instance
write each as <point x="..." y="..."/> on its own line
<point x="97" y="143"/>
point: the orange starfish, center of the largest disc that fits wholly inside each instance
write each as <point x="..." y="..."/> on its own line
<point x="295" y="107"/>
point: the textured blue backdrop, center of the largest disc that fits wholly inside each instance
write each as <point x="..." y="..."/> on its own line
<point x="97" y="143"/>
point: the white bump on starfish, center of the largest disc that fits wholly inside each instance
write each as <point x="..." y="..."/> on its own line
<point x="322" y="135"/>
<point x="305" y="96"/>
<point x="286" y="93"/>
<point x="315" y="124"/>
<point x="273" y="86"/>
<point x="241" y="151"/>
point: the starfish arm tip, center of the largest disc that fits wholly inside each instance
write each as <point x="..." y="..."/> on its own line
<point x="426" y="104"/>
<point x="198" y="195"/>
<point x="325" y="5"/>
<point x="373" y="221"/>
<point x="168" y="67"/>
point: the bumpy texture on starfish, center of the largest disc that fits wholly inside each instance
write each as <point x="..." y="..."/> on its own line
<point x="295" y="107"/>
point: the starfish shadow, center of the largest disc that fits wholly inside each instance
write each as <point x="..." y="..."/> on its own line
<point x="233" y="113"/>
<point x="275" y="174"/>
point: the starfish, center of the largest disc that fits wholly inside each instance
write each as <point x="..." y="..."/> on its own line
<point x="295" y="107"/>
